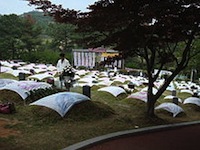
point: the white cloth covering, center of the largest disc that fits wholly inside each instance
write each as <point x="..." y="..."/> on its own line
<point x="170" y="107"/>
<point x="61" y="102"/>
<point x="192" y="100"/>
<point x="139" y="95"/>
<point x="114" y="90"/>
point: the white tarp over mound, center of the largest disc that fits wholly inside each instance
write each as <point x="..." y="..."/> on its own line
<point x="170" y="107"/>
<point x="41" y="76"/>
<point x="61" y="102"/>
<point x="119" y="79"/>
<point x="192" y="100"/>
<point x="146" y="89"/>
<point x="14" y="87"/>
<point x="4" y="82"/>
<point x="104" y="83"/>
<point x="23" y="87"/>
<point x="5" y="69"/>
<point x="16" y="72"/>
<point x="114" y="90"/>
<point x="139" y="95"/>
<point x="186" y="91"/>
<point x="171" y="97"/>
<point x="33" y="85"/>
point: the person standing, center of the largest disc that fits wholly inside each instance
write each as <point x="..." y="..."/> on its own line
<point x="61" y="65"/>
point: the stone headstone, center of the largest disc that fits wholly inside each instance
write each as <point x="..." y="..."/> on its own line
<point x="87" y="91"/>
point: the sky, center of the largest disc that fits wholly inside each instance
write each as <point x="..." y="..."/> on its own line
<point x="20" y="6"/>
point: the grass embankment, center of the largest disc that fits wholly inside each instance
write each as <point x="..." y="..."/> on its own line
<point x="42" y="128"/>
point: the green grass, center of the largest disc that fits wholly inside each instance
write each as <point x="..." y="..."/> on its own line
<point x="8" y="76"/>
<point x="42" y="128"/>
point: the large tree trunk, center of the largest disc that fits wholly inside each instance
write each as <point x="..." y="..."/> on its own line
<point x="150" y="107"/>
<point x="150" y="97"/>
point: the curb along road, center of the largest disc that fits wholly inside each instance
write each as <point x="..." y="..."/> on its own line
<point x="180" y="136"/>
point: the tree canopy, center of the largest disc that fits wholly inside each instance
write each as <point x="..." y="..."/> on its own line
<point x="163" y="32"/>
<point x="18" y="35"/>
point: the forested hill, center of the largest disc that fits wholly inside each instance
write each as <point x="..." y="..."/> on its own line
<point x="39" y="17"/>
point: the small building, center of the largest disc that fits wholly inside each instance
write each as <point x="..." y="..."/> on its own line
<point x="92" y="58"/>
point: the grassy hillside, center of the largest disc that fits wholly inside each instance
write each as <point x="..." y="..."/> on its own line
<point x="34" y="127"/>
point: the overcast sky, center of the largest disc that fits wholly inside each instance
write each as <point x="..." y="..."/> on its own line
<point x="20" y="6"/>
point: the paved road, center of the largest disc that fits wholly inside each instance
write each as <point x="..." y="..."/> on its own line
<point x="181" y="138"/>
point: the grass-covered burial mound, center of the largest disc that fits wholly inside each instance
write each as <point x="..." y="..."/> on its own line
<point x="84" y="111"/>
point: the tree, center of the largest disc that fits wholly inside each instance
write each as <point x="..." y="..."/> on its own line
<point x="18" y="36"/>
<point x="31" y="34"/>
<point x="194" y="64"/>
<point x="163" y="32"/>
<point x="10" y="30"/>
<point x="63" y="35"/>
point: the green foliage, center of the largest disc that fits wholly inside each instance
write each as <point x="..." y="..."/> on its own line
<point x="159" y="35"/>
<point x="135" y="62"/>
<point x="18" y="36"/>
<point x="40" y="93"/>
<point x="10" y="31"/>
<point x="40" y="19"/>
<point x="63" y="36"/>
<point x="45" y="56"/>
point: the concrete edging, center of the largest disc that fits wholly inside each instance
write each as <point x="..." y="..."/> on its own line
<point x="104" y="138"/>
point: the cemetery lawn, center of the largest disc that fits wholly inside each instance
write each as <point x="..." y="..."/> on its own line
<point x="33" y="127"/>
